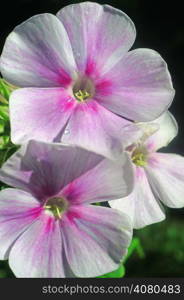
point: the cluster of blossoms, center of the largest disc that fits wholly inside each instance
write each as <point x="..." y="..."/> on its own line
<point x="89" y="116"/>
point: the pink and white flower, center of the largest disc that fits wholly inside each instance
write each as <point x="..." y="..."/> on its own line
<point x="48" y="227"/>
<point x="159" y="177"/>
<point x="79" y="82"/>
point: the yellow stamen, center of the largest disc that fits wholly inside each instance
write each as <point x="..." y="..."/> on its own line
<point x="57" y="206"/>
<point x="58" y="212"/>
<point x="47" y="206"/>
<point x="81" y="95"/>
<point x="139" y="159"/>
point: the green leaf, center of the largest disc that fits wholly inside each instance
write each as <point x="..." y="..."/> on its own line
<point x="119" y="273"/>
<point x="4" y="140"/>
<point x="3" y="100"/>
<point x="4" y="112"/>
<point x="1" y="126"/>
<point x="3" y="274"/>
<point x="135" y="246"/>
<point x="6" y="88"/>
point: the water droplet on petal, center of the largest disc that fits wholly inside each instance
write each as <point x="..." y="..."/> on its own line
<point x="66" y="131"/>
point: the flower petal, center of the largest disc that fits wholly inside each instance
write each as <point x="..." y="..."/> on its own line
<point x="108" y="180"/>
<point x="38" y="252"/>
<point x="95" y="128"/>
<point x="38" y="53"/>
<point x="95" y="239"/>
<point x="14" y="173"/>
<point x="39" y="114"/>
<point x="131" y="134"/>
<point x="18" y="210"/>
<point x="44" y="169"/>
<point x="105" y="34"/>
<point x="141" y="205"/>
<point x="168" y="130"/>
<point x="139" y="87"/>
<point x="166" y="176"/>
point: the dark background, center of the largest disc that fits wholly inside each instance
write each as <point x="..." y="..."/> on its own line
<point x="160" y="26"/>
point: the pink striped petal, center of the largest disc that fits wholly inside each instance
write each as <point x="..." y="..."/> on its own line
<point x="44" y="169"/>
<point x="39" y="114"/>
<point x="38" y="252"/>
<point x="139" y="87"/>
<point x="108" y="180"/>
<point x="95" y="239"/>
<point x="18" y="210"/>
<point x="95" y="128"/>
<point x="99" y="35"/>
<point x="38" y="53"/>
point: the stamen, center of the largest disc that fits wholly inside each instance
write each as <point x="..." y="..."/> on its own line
<point x="58" y="212"/>
<point x="139" y="159"/>
<point x="81" y="95"/>
<point x="57" y="206"/>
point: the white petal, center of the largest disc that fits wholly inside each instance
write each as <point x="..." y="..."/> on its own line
<point x="141" y="205"/>
<point x="168" y="130"/>
<point x="166" y="176"/>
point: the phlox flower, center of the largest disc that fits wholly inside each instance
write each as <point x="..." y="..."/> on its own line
<point x="159" y="177"/>
<point x="78" y="81"/>
<point x="48" y="227"/>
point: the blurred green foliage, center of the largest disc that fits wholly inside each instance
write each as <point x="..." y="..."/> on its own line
<point x="6" y="147"/>
<point x="163" y="247"/>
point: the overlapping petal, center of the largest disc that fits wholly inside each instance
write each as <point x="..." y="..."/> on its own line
<point x="28" y="228"/>
<point x="96" y="129"/>
<point x="42" y="243"/>
<point x="167" y="131"/>
<point x="139" y="87"/>
<point x="95" y="239"/>
<point x="18" y="210"/>
<point x="105" y="35"/>
<point x="107" y="181"/>
<point x="39" y="114"/>
<point x="54" y="246"/>
<point x="166" y="175"/>
<point x="141" y="205"/>
<point x="44" y="169"/>
<point x="38" y="53"/>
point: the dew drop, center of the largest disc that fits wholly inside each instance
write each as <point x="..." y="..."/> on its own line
<point x="66" y="131"/>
